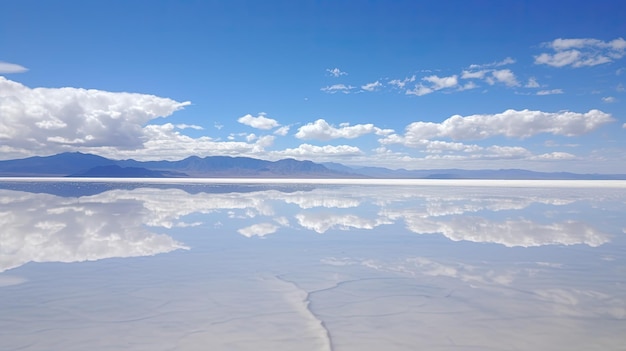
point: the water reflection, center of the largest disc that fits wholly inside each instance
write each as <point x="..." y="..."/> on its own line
<point x="41" y="227"/>
<point x="47" y="228"/>
<point x="315" y="268"/>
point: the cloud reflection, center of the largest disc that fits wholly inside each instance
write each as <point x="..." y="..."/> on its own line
<point x="43" y="227"/>
<point x="46" y="228"/>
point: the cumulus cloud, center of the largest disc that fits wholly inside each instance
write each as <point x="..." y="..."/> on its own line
<point x="336" y="72"/>
<point x="164" y="142"/>
<point x="55" y="119"/>
<point x="510" y="123"/>
<point x="8" y="68"/>
<point x="372" y="86"/>
<point x="331" y="89"/>
<point x="581" y="52"/>
<point x="259" y="122"/>
<point x="503" y="76"/>
<point x="321" y="130"/>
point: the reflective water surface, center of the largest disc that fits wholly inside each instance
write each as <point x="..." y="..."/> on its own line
<point x="106" y="266"/>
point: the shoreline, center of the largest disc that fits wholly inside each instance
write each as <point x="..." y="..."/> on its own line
<point x="337" y="181"/>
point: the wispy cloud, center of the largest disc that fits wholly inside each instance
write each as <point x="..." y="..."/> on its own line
<point x="435" y="83"/>
<point x="8" y="68"/>
<point x="506" y="61"/>
<point x="401" y="83"/>
<point x="336" y="72"/>
<point x="532" y="83"/>
<point x="282" y="131"/>
<point x="550" y="92"/>
<point x="581" y="52"/>
<point x="372" y="86"/>
<point x="331" y="89"/>
<point x="609" y="99"/>
<point x="188" y="126"/>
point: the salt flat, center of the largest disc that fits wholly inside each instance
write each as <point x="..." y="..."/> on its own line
<point x="315" y="267"/>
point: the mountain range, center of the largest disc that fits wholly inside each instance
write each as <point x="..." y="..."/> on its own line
<point x="76" y="164"/>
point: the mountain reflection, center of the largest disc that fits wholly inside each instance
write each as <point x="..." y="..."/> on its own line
<point x="42" y="227"/>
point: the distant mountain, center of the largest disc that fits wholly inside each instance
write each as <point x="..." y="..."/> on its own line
<point x="55" y="165"/>
<point x="77" y="164"/>
<point x="126" y="172"/>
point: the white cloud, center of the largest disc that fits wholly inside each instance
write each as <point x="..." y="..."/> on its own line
<point x="49" y="120"/>
<point x="321" y="130"/>
<point x="163" y="142"/>
<point x="282" y="131"/>
<point x="439" y="83"/>
<point x="468" y="86"/>
<point x="532" y="83"/>
<point x="401" y="83"/>
<point x="331" y="89"/>
<point x="502" y="76"/>
<point x="550" y="92"/>
<point x="510" y="123"/>
<point x="307" y="151"/>
<point x="506" y="61"/>
<point x="372" y="86"/>
<point x="8" y="68"/>
<point x="609" y="99"/>
<point x="554" y="156"/>
<point x="474" y="74"/>
<point x="419" y="90"/>
<point x="188" y="126"/>
<point x="259" y="122"/>
<point x="436" y="83"/>
<point x="582" y="52"/>
<point x="336" y="72"/>
<point x="492" y="76"/>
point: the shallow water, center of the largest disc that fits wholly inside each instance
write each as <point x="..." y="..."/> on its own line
<point x="165" y="266"/>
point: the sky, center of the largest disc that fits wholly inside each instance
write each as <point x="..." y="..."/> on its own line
<point x="538" y="85"/>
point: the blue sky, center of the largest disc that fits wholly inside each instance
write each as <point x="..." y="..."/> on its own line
<point x="539" y="85"/>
